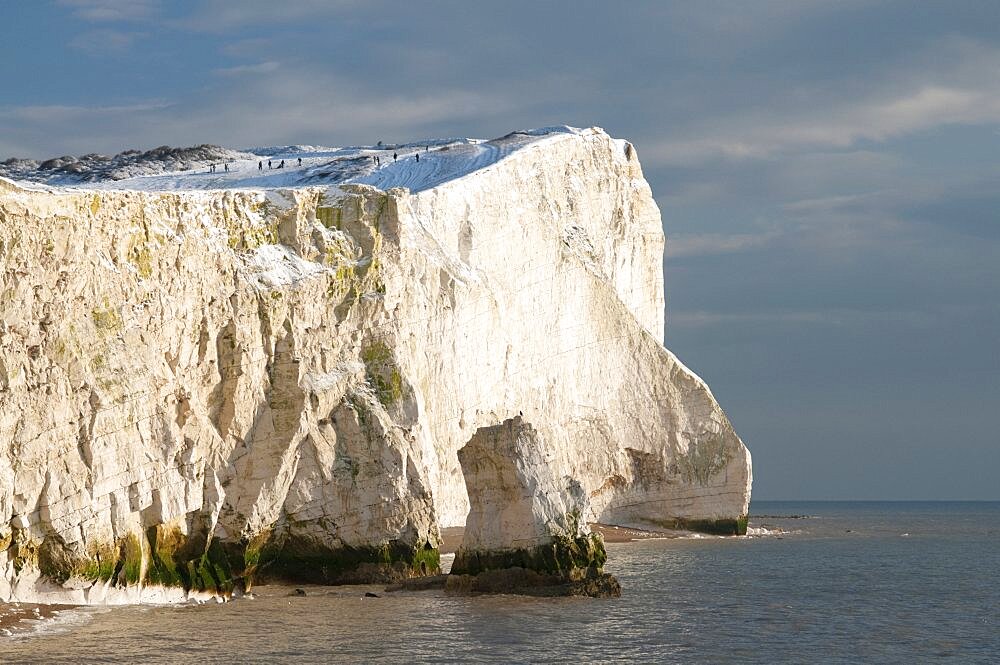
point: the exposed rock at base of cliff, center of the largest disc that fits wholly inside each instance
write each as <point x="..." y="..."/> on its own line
<point x="524" y="532"/>
<point x="203" y="388"/>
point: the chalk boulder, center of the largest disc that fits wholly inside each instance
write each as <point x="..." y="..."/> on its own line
<point x="525" y="532"/>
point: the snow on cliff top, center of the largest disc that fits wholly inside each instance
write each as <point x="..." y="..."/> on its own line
<point x="166" y="168"/>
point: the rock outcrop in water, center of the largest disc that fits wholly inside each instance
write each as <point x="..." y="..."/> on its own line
<point x="525" y="532"/>
<point x="203" y="388"/>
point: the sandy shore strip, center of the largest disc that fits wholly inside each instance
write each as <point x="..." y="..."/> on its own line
<point x="19" y="617"/>
<point x="626" y="534"/>
<point x="451" y="537"/>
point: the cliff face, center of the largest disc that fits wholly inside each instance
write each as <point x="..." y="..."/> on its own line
<point x="201" y="387"/>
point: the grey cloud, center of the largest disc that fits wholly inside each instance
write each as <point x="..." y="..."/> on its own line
<point x="33" y="126"/>
<point x="102" y="41"/>
<point x="704" y="244"/>
<point x="839" y="127"/>
<point x="112" y="10"/>
<point x="972" y="209"/>
<point x="219" y="16"/>
<point x="834" y="317"/>
<point x="240" y="70"/>
<point x="949" y="82"/>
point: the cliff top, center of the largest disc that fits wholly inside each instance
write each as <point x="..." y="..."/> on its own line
<point x="417" y="166"/>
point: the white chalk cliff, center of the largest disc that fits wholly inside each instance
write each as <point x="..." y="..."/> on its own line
<point x="266" y="373"/>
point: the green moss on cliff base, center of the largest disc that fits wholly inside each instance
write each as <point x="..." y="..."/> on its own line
<point x="170" y="558"/>
<point x="532" y="583"/>
<point x="304" y="560"/>
<point x="179" y="560"/>
<point x="120" y="562"/>
<point x="567" y="558"/>
<point x="720" y="527"/>
<point x="211" y="571"/>
<point x="167" y="556"/>
<point x="564" y="567"/>
<point x="165" y="546"/>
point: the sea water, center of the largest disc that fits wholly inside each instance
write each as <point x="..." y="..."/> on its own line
<point x="814" y="583"/>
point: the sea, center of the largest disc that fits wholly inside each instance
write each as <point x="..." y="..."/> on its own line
<point x="814" y="582"/>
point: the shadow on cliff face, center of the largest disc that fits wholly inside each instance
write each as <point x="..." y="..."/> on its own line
<point x="348" y="503"/>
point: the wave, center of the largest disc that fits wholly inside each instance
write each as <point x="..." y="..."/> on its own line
<point x="25" y="620"/>
<point x="773" y="532"/>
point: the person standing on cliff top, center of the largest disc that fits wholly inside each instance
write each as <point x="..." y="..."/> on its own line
<point x="394" y="156"/>
<point x="418" y="156"/>
<point x="260" y="165"/>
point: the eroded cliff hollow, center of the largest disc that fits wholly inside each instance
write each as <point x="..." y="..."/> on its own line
<point x="201" y="388"/>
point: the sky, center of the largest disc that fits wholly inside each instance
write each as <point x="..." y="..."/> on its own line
<point x="827" y="174"/>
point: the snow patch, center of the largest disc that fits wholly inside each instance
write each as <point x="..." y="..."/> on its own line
<point x="279" y="265"/>
<point x="416" y="166"/>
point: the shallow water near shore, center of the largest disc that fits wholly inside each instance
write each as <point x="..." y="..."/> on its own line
<point x="836" y="583"/>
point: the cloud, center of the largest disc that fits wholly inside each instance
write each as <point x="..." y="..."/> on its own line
<point x="841" y="126"/>
<point x="247" y="48"/>
<point x="240" y="70"/>
<point x="223" y="15"/>
<point x="836" y="317"/>
<point x="261" y="104"/>
<point x="951" y="82"/>
<point x="35" y="126"/>
<point x="709" y="244"/>
<point x="102" y="41"/>
<point x="99" y="11"/>
<point x="60" y="112"/>
<point x="303" y="103"/>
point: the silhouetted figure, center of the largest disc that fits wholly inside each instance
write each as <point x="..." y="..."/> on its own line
<point x="260" y="166"/>
<point x="300" y="161"/>
<point x="418" y="156"/>
<point x="269" y="163"/>
<point x="394" y="156"/>
<point x="227" y="167"/>
<point x="282" y="164"/>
